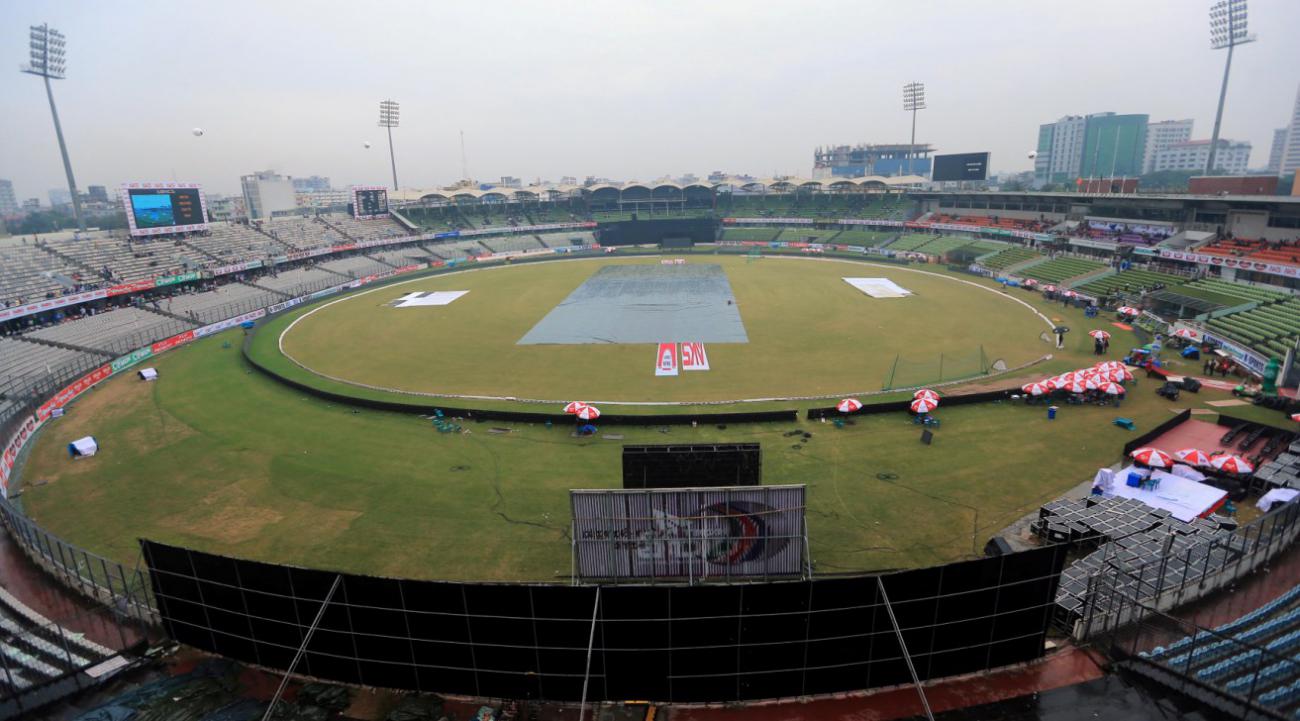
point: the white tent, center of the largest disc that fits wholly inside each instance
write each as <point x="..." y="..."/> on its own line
<point x="148" y="374"/>
<point x="87" y="446"/>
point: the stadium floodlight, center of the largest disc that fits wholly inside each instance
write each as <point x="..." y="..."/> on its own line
<point x="913" y="100"/>
<point x="1227" y="30"/>
<point x="49" y="61"/>
<point x="388" y="118"/>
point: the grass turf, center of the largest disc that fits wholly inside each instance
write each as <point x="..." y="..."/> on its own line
<point x="218" y="457"/>
<point x="809" y="334"/>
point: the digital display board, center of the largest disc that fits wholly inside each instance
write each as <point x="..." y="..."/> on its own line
<point x="369" y="201"/>
<point x="961" y="166"/>
<point x="158" y="208"/>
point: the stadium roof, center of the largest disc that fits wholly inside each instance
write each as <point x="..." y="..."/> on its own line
<point x="753" y="185"/>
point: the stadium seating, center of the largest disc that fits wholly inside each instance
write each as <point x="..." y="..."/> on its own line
<point x="297" y="282"/>
<point x="230" y="242"/>
<point x="867" y="238"/>
<point x="1009" y="257"/>
<point x="119" y="331"/>
<point x="1254" y="651"/>
<point x="127" y="260"/>
<point x="23" y="365"/>
<point x="992" y="222"/>
<point x="762" y="235"/>
<point x="36" y="651"/>
<point x="220" y="303"/>
<point x="375" y="229"/>
<point x="1129" y="281"/>
<point x="27" y="271"/>
<point x="1060" y="269"/>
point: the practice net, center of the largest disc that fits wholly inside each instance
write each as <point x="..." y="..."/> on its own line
<point x="940" y="367"/>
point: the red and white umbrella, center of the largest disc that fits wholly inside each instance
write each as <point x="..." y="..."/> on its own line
<point x="1109" y="364"/>
<point x="924" y="405"/>
<point x="1101" y="334"/>
<point x="1232" y="464"/>
<point x="1153" y="457"/>
<point x="1111" y="388"/>
<point x="848" y="405"/>
<point x="1029" y="282"/>
<point x="1295" y="417"/>
<point x="1193" y="456"/>
<point x="1075" y="386"/>
<point x="1068" y="294"/>
<point x="1185" y="333"/>
<point x="1118" y="375"/>
<point x="926" y="393"/>
<point x="1128" y="310"/>
<point x="1049" y="288"/>
<point x="1093" y="383"/>
<point x="574" y="406"/>
<point x="1036" y="389"/>
<point x="589" y="413"/>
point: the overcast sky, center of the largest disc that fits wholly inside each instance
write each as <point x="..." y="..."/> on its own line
<point x="624" y="89"/>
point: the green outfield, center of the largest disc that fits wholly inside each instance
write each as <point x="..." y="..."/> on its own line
<point x="219" y="457"/>
<point x="810" y="334"/>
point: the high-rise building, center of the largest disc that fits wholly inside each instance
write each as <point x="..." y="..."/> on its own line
<point x="1113" y="146"/>
<point x="1232" y="158"/>
<point x="60" y="196"/>
<point x="31" y="205"/>
<point x="1060" y="149"/>
<point x="1291" y="151"/>
<point x="1276" y="149"/>
<point x="8" y="201"/>
<point x="1161" y="135"/>
<point x="266" y="193"/>
<point x="97" y="193"/>
<point x="313" y="184"/>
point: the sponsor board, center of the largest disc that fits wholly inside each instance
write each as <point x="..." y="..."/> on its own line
<point x="666" y="359"/>
<point x="76" y="388"/>
<point x="1287" y="271"/>
<point x="122" y="363"/>
<point x="1250" y="360"/>
<point x="13" y="448"/>
<point x="41" y="306"/>
<point x="228" y="323"/>
<point x="132" y="287"/>
<point x="168" y="343"/>
<point x="694" y="357"/>
<point x="235" y="267"/>
<point x="174" y="279"/>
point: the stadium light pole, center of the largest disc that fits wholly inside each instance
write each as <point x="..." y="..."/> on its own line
<point x="388" y="114"/>
<point x="913" y="100"/>
<point x="49" y="61"/>
<point x="1227" y="30"/>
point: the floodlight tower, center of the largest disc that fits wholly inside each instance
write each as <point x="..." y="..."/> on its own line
<point x="388" y="112"/>
<point x="1227" y="30"/>
<point x="48" y="61"/>
<point x="913" y="100"/>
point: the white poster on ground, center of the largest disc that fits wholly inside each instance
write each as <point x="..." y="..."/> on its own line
<point x="666" y="360"/>
<point x="694" y="358"/>
<point x="416" y="300"/>
<point x="879" y="287"/>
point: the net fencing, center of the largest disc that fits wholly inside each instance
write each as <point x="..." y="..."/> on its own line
<point x="910" y="372"/>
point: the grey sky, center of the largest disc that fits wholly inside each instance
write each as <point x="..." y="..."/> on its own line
<point x="625" y="89"/>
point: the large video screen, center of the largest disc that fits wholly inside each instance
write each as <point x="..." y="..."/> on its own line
<point x="961" y="166"/>
<point x="370" y="201"/>
<point x="157" y="208"/>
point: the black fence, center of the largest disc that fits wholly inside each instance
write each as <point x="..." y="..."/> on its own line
<point x="1156" y="432"/>
<point x="903" y="405"/>
<point x="654" y="232"/>
<point x="661" y="643"/>
<point x="506" y="416"/>
<point x="692" y="465"/>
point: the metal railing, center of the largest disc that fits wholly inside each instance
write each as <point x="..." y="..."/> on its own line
<point x="124" y="589"/>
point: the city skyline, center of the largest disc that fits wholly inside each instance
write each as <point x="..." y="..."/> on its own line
<point x="627" y="92"/>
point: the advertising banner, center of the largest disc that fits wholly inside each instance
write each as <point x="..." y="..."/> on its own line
<point x="168" y="343"/>
<point x="122" y="363"/>
<point x="666" y="359"/>
<point x="41" y="306"/>
<point x="134" y="286"/>
<point x="174" y="279"/>
<point x="697" y="533"/>
<point x="694" y="358"/>
<point x="1288" y="271"/>
<point x="1250" y="360"/>
<point x="13" y="448"/>
<point x="77" y="387"/>
<point x="236" y="267"/>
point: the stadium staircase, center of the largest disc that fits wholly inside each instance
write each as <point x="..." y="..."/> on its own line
<point x="168" y="314"/>
<point x="286" y="245"/>
<point x="335" y="228"/>
<point x="378" y="260"/>
<point x="431" y="251"/>
<point x="279" y="293"/>
<point x="29" y="338"/>
<point x="200" y="251"/>
<point x="462" y="220"/>
<point x="540" y="240"/>
<point x="341" y="274"/>
<point x="94" y="272"/>
<point x="490" y="249"/>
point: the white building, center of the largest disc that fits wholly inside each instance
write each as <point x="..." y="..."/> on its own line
<point x="1161" y="135"/>
<point x="1275" y="151"/>
<point x="324" y="199"/>
<point x="1060" y="150"/>
<point x="1232" y="158"/>
<point x="266" y="193"/>
<point x="1291" y="151"/>
<point x="8" y="201"/>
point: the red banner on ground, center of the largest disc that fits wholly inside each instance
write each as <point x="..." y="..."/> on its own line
<point x="694" y="358"/>
<point x="666" y="360"/>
